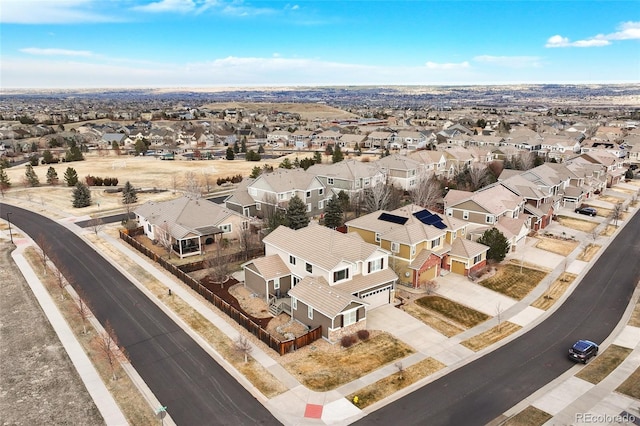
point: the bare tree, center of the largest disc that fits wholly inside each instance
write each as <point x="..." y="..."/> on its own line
<point x="478" y="176"/>
<point x="616" y="213"/>
<point x="96" y="224"/>
<point x="427" y="192"/>
<point x="174" y="182"/>
<point x="192" y="184"/>
<point x="109" y="350"/>
<point x="499" y="312"/>
<point x="83" y="311"/>
<point x="44" y="251"/>
<point x="243" y="347"/>
<point x="60" y="279"/>
<point x="208" y="181"/>
<point x="376" y="198"/>
<point x="247" y="241"/>
<point x="400" y="369"/>
<point x="527" y="160"/>
<point x="163" y="236"/>
<point x="431" y="287"/>
<point x="218" y="266"/>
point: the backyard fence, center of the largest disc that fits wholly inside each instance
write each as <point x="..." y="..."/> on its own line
<point x="238" y="316"/>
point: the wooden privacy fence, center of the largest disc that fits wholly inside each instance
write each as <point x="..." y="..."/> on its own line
<point x="238" y="316"/>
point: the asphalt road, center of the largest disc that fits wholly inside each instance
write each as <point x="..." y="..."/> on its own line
<point x="480" y="391"/>
<point x="195" y="389"/>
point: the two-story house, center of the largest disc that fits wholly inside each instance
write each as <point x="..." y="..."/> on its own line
<point x="350" y="176"/>
<point x="401" y="171"/>
<point x="332" y="278"/>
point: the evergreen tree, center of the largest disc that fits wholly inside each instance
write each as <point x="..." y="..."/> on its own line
<point x="73" y="153"/>
<point x="255" y="172"/>
<point x="337" y="155"/>
<point x="5" y="183"/>
<point x="317" y="157"/>
<point x="47" y="157"/>
<point x="497" y="243"/>
<point x="230" y="154"/>
<point x="236" y="147"/>
<point x="297" y="213"/>
<point x="71" y="176"/>
<point x="286" y="164"/>
<point x="252" y="156"/>
<point x="243" y="145"/>
<point x="296" y="163"/>
<point x="81" y="195"/>
<point x="31" y="176"/>
<point x="129" y="194"/>
<point x="261" y="149"/>
<point x="333" y="213"/>
<point x="52" y="176"/>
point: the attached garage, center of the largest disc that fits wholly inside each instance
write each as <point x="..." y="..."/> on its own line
<point x="458" y="267"/>
<point x="378" y="297"/>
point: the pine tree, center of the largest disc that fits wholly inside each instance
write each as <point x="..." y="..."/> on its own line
<point x="317" y="157"/>
<point x="286" y="164"/>
<point x="337" y="155"/>
<point x="255" y="172"/>
<point x="297" y="213"/>
<point x="236" y="147"/>
<point x="261" y="149"/>
<point x="230" y="154"/>
<point x="71" y="176"/>
<point x="243" y="145"/>
<point x="333" y="213"/>
<point x="497" y="243"/>
<point x="31" y="176"/>
<point x="129" y="194"/>
<point x="73" y="153"/>
<point x="5" y="183"/>
<point x="52" y="176"/>
<point x="81" y="195"/>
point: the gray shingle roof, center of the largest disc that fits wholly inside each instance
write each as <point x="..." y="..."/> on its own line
<point x="316" y="292"/>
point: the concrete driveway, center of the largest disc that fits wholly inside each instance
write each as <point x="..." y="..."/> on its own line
<point x="459" y="289"/>
<point x="410" y="330"/>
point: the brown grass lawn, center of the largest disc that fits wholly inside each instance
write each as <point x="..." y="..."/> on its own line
<point x="561" y="247"/>
<point x="490" y="336"/>
<point x="509" y="281"/>
<point x="603" y="364"/>
<point x="577" y="224"/>
<point x="391" y="384"/>
<point x="611" y="199"/>
<point x="588" y="252"/>
<point x="631" y="386"/>
<point x="325" y="370"/>
<point x="434" y="320"/>
<point x="608" y="231"/>
<point x="530" y="416"/>
<point x="554" y="292"/>
<point x="635" y="316"/>
<point x="461" y="314"/>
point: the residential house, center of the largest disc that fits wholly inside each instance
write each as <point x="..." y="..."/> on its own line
<point x="433" y="162"/>
<point x="613" y="166"/>
<point x="401" y="171"/>
<point x="189" y="224"/>
<point x="378" y="139"/>
<point x="350" y="141"/>
<point x="351" y="176"/>
<point x="485" y="206"/>
<point x="332" y="278"/>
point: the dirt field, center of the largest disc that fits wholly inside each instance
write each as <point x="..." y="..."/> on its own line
<point x="307" y="111"/>
<point x="38" y="383"/>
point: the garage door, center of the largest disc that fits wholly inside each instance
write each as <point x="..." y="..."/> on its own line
<point x="427" y="275"/>
<point x="457" y="267"/>
<point x="377" y="297"/>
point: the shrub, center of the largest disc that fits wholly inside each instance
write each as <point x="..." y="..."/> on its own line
<point x="363" y="334"/>
<point x="348" y="340"/>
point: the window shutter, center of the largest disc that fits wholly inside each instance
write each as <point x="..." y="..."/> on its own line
<point x="341" y="320"/>
<point x="368" y="267"/>
<point x="382" y="263"/>
<point x="357" y="314"/>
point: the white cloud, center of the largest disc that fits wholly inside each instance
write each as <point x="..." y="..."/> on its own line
<point x="162" y="6"/>
<point x="56" y="52"/>
<point x="234" y="7"/>
<point x="627" y="31"/>
<point x="510" y="61"/>
<point x="446" y="66"/>
<point x="52" y="12"/>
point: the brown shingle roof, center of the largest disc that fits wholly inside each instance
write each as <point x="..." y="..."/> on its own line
<point x="316" y="292"/>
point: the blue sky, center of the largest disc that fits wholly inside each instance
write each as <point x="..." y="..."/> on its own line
<point x="227" y="43"/>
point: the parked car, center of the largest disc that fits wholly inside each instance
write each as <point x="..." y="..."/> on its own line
<point x="583" y="350"/>
<point x="590" y="211"/>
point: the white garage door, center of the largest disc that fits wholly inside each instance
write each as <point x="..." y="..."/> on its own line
<point x="377" y="297"/>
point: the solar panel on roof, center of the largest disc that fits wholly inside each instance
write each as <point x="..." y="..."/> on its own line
<point x="387" y="217"/>
<point x="428" y="218"/>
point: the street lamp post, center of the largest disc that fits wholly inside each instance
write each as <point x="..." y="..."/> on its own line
<point x="10" y="233"/>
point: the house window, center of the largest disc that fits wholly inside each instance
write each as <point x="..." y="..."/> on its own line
<point x="320" y="191"/>
<point x="258" y="206"/>
<point x="413" y="250"/>
<point x="292" y="259"/>
<point x="477" y="259"/>
<point x="489" y="219"/>
<point x="449" y="212"/>
<point x="308" y="267"/>
<point x="358" y="183"/>
<point x="340" y="275"/>
<point x="310" y="312"/>
<point x="308" y="207"/>
<point x="435" y="243"/>
<point x="465" y="215"/>
<point x="367" y="181"/>
<point x="321" y="204"/>
<point x="149" y="227"/>
<point x="375" y="265"/>
<point x="395" y="247"/>
<point x="226" y="228"/>
<point x="349" y="318"/>
<point x="329" y="181"/>
<point x="245" y="225"/>
<point x="377" y="237"/>
<point x="280" y="196"/>
<point x="294" y="303"/>
<point x="308" y="194"/>
<point x="295" y="282"/>
<point x="276" y="283"/>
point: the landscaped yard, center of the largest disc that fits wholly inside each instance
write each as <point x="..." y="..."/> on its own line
<point x="588" y="252"/>
<point x="603" y="364"/>
<point x="391" y="384"/>
<point x="323" y="370"/>
<point x="514" y="281"/>
<point x="557" y="245"/>
<point x="437" y="321"/>
<point x="530" y="416"/>
<point x="554" y="292"/>
<point x="611" y="199"/>
<point x="491" y="336"/>
<point x="577" y="224"/>
<point x="461" y="314"/>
